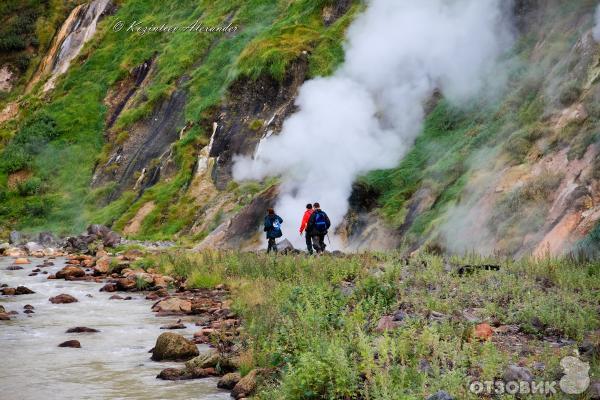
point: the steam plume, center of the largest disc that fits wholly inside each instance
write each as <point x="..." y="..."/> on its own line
<point x="368" y="113"/>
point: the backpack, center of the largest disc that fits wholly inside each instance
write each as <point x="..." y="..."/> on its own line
<point x="321" y="222"/>
<point x="273" y="227"/>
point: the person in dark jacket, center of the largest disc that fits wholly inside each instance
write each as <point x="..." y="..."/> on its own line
<point x="305" y="218"/>
<point x="317" y="227"/>
<point x="273" y="229"/>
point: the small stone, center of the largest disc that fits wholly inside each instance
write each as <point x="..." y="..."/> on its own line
<point x="109" y="287"/>
<point x="14" y="268"/>
<point x="385" y="323"/>
<point x="400" y="316"/>
<point x="538" y="366"/>
<point x="63" y="299"/>
<point x="82" y="329"/>
<point x="71" y="343"/>
<point x="173" y="326"/>
<point x="514" y="373"/>
<point x="441" y="395"/>
<point x="29" y="312"/>
<point x="4" y="316"/>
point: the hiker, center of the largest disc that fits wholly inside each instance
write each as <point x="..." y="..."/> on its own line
<point x="273" y="228"/>
<point x="317" y="227"/>
<point x="307" y="214"/>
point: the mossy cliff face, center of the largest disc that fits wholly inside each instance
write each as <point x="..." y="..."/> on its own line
<point x="141" y="131"/>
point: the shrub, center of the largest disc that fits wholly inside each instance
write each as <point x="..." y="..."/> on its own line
<point x="38" y="207"/>
<point x="203" y="280"/>
<point x="29" y="141"/>
<point x="569" y="94"/>
<point x="321" y="374"/>
<point x="30" y="186"/>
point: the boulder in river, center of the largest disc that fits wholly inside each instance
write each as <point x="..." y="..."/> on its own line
<point x="126" y="284"/>
<point x="109" y="287"/>
<point x="63" y="299"/>
<point x="23" y="290"/>
<point x="4" y="316"/>
<point x="213" y="360"/>
<point x="173" y="305"/>
<point x="22" y="260"/>
<point x="70" y="271"/>
<point x="175" y="325"/>
<point x="82" y="329"/>
<point x="19" y="290"/>
<point x="8" y="291"/>
<point x="14" y="268"/>
<point x="228" y="381"/>
<point x="174" y="347"/>
<point x="174" y="374"/>
<point x="71" y="343"/>
<point x="247" y="385"/>
<point x="102" y="265"/>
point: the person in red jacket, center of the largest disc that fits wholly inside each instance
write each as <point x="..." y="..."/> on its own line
<point x="305" y="218"/>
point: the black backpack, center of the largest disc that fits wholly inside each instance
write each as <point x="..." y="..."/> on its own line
<point x="321" y="222"/>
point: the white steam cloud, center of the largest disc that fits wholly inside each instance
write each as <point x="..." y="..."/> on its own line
<point x="596" y="30"/>
<point x="368" y="113"/>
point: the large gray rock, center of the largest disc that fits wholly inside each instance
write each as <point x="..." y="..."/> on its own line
<point x="174" y="347"/>
<point x="15" y="237"/>
<point x="46" y="239"/>
<point x="33" y="248"/>
<point x="70" y="271"/>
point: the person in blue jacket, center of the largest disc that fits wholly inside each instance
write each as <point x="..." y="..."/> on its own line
<point x="273" y="229"/>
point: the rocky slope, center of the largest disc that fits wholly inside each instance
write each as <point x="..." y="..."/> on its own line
<point x="139" y="131"/>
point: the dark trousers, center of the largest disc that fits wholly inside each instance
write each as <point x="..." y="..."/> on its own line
<point x="272" y="245"/>
<point x="318" y="242"/>
<point x="309" y="245"/>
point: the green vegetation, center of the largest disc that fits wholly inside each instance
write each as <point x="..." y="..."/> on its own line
<point x="313" y="321"/>
<point x="26" y="31"/>
<point x="264" y="44"/>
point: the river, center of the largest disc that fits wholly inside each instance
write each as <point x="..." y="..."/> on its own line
<point x="111" y="364"/>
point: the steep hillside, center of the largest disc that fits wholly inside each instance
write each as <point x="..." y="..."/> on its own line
<point x="139" y="131"/>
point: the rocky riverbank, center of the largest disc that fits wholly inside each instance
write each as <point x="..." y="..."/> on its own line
<point x="88" y="258"/>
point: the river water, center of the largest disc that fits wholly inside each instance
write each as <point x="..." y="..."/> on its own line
<point x="111" y="364"/>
